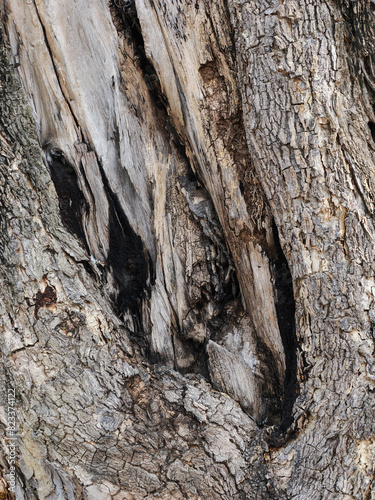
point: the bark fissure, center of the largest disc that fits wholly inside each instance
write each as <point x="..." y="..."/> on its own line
<point x="71" y="199"/>
<point x="126" y="10"/>
<point x="372" y="129"/>
<point x="127" y="258"/>
<point x="285" y="309"/>
<point x="57" y="74"/>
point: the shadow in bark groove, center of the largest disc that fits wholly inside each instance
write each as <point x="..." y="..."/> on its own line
<point x="359" y="14"/>
<point x="127" y="258"/>
<point x="285" y="309"/>
<point x="71" y="200"/>
<point x="372" y="130"/>
<point x="126" y="12"/>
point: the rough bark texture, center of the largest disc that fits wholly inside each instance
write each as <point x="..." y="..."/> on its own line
<point x="187" y="249"/>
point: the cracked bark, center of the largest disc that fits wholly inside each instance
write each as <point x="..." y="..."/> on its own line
<point x="187" y="262"/>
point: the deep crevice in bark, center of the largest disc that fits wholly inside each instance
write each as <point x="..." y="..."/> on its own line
<point x="360" y="20"/>
<point x="360" y="16"/>
<point x="200" y="365"/>
<point x="372" y="130"/>
<point x="125" y="17"/>
<point x="29" y="486"/>
<point x="285" y="310"/>
<point x="127" y="258"/>
<point x="126" y="12"/>
<point x="222" y="290"/>
<point x="72" y="202"/>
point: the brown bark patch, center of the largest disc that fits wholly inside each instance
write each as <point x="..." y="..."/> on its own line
<point x="4" y="493"/>
<point x="45" y="299"/>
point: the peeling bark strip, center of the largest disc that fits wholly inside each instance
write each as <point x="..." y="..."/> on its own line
<point x="216" y="160"/>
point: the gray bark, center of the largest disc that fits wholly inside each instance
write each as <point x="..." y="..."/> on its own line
<point x="187" y="257"/>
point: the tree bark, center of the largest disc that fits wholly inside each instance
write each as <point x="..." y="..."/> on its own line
<point x="187" y="249"/>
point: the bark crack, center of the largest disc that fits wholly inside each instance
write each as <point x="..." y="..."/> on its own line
<point x="75" y="119"/>
<point x="127" y="258"/>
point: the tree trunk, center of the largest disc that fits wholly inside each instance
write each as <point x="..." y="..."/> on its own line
<point x="187" y="249"/>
